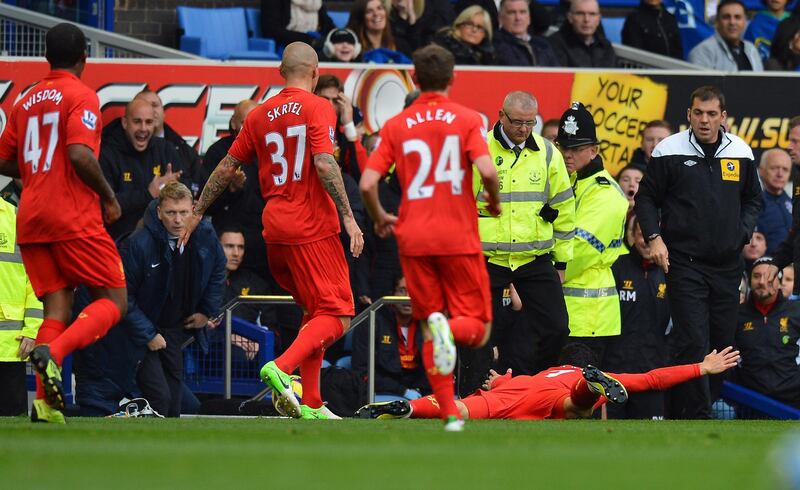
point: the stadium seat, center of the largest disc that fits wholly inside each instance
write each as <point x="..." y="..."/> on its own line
<point x="613" y="28"/>
<point x="253" y="22"/>
<point x="339" y="18"/>
<point x="221" y="34"/>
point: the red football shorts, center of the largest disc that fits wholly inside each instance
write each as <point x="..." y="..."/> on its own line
<point x="92" y="261"/>
<point x="458" y="284"/>
<point x="515" y="400"/>
<point x="315" y="274"/>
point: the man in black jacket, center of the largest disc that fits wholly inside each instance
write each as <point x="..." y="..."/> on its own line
<point x="513" y="45"/>
<point x="767" y="335"/>
<point x="642" y="346"/>
<point x="788" y="252"/>
<point x="398" y="351"/>
<point x="137" y="164"/>
<point x="580" y="43"/>
<point x="651" y="28"/>
<point x="697" y="205"/>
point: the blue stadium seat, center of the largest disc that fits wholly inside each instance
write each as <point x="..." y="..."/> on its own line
<point x="340" y="18"/>
<point x="253" y="21"/>
<point x="613" y="28"/>
<point x="221" y="34"/>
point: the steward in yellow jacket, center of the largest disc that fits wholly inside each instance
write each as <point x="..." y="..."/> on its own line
<point x="530" y="240"/>
<point x="20" y="317"/>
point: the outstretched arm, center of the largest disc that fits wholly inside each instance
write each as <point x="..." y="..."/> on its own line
<point x="663" y="378"/>
<point x="218" y="181"/>
<point x="88" y="169"/>
<point x="331" y="178"/>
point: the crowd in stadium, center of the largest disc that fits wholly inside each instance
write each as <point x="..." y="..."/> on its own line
<point x="522" y="33"/>
<point x="576" y="258"/>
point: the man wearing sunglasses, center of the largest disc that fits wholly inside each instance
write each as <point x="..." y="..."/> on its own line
<point x="528" y="245"/>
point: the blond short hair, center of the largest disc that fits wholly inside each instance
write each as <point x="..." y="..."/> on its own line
<point x="175" y="191"/>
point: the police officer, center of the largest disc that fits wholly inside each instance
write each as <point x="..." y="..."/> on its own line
<point x="600" y="211"/>
<point x="704" y="185"/>
<point x="534" y="231"/>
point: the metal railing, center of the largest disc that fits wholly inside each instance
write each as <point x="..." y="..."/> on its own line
<point x="369" y="314"/>
<point x="632" y="58"/>
<point x="22" y="33"/>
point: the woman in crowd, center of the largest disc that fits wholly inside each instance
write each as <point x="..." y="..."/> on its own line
<point x="470" y="38"/>
<point x="416" y="21"/>
<point x="369" y="19"/>
<point x="785" y="49"/>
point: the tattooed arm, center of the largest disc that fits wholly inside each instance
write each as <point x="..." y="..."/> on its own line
<point x="331" y="178"/>
<point x="218" y="181"/>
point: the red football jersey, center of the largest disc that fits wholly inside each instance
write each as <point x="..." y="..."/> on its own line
<point x="285" y="132"/>
<point x="56" y="205"/>
<point x="540" y="397"/>
<point x="433" y="143"/>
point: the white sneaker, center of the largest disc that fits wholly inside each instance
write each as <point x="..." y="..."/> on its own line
<point x="444" y="349"/>
<point x="327" y="412"/>
<point x="454" y="425"/>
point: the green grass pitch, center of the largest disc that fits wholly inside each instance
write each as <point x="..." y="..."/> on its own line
<point x="228" y="454"/>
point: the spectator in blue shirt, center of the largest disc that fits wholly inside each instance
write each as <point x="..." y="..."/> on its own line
<point x="775" y="220"/>
<point x="761" y="29"/>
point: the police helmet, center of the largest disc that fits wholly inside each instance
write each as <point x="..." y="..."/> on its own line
<point x="576" y="127"/>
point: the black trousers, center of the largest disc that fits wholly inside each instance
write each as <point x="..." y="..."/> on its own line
<point x="13" y="389"/>
<point x="704" y="303"/>
<point x="160" y="374"/>
<point x="528" y="346"/>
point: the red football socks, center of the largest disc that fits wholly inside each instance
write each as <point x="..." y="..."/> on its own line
<point x="48" y="332"/>
<point x="90" y="326"/>
<point x="425" y="408"/>
<point x="467" y="331"/>
<point x="309" y="375"/>
<point x="582" y="396"/>
<point x="314" y="336"/>
<point x="442" y="385"/>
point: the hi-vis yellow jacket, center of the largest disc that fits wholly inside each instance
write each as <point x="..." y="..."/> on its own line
<point x="528" y="182"/>
<point x="20" y="311"/>
<point x="589" y="287"/>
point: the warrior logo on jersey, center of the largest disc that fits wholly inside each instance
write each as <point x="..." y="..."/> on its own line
<point x="387" y="339"/>
<point x="127" y="177"/>
<point x="748" y="326"/>
<point x="89" y="119"/>
<point x="627" y="284"/>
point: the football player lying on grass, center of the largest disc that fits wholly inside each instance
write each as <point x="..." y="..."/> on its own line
<point x="563" y="392"/>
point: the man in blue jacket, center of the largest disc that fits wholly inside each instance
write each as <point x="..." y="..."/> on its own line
<point x="172" y="292"/>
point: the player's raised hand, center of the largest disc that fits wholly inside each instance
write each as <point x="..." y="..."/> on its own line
<point x="493" y="375"/>
<point x="191" y="223"/>
<point x="111" y="211"/>
<point x="384" y="225"/>
<point x="718" y="362"/>
<point x="356" y="236"/>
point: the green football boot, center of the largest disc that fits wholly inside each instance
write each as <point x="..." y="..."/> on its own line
<point x="321" y="413"/>
<point x="281" y="385"/>
<point x="605" y="385"/>
<point x="42" y="412"/>
<point x="50" y="374"/>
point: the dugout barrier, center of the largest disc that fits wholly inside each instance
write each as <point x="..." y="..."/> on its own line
<point x="229" y="322"/>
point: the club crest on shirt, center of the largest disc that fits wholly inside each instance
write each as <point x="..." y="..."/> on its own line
<point x="535" y="177"/>
<point x="245" y="291"/>
<point x="498" y="161"/>
<point x="662" y="291"/>
<point x="3" y="239"/>
<point x="157" y="171"/>
<point x="784" y="323"/>
<point x="89" y="119"/>
<point x="331" y="133"/>
<point x="730" y="169"/>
